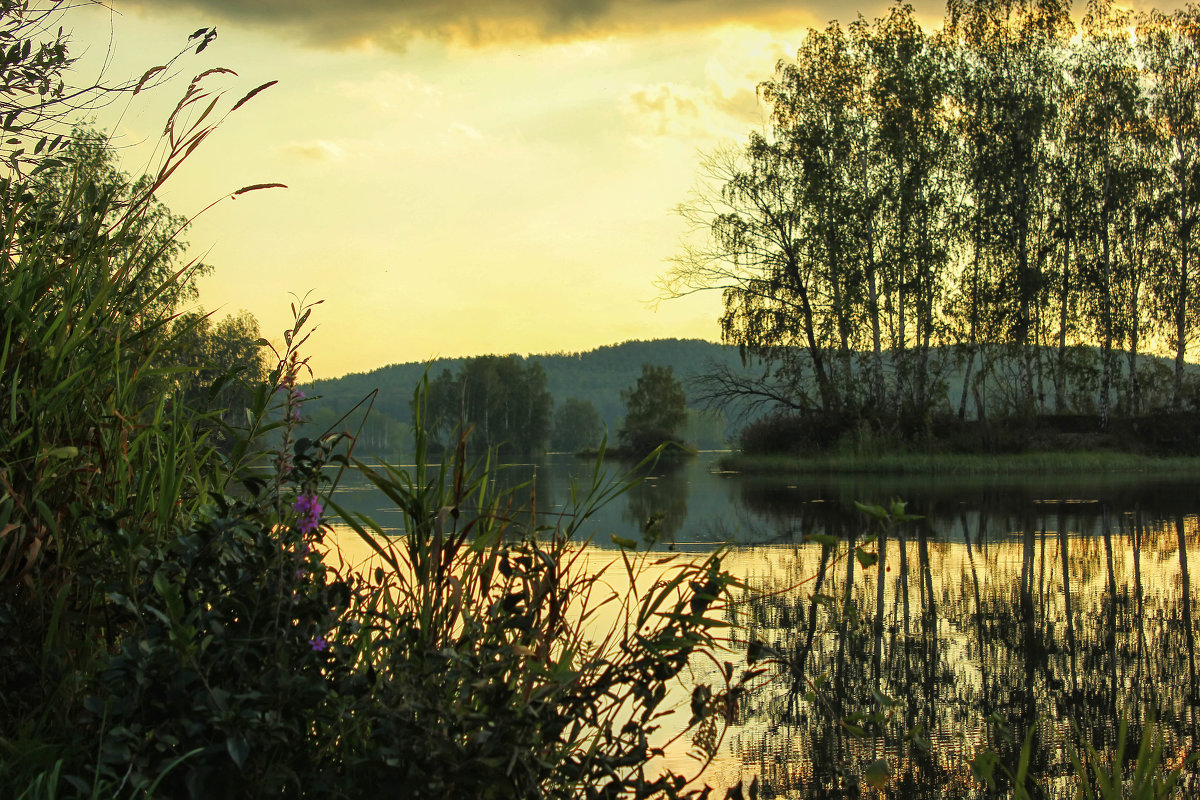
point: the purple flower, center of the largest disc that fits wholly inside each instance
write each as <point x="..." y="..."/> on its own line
<point x="299" y="395"/>
<point x="310" y="513"/>
<point x="318" y="643"/>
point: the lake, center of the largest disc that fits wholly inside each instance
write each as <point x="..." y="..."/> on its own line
<point x="1055" y="603"/>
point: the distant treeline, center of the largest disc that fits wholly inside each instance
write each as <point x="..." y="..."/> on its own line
<point x="512" y="388"/>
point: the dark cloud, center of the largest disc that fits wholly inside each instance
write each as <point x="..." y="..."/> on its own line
<point x="393" y="23"/>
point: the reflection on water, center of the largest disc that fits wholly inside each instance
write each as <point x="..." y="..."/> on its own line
<point x="1061" y="626"/>
<point x="1052" y="605"/>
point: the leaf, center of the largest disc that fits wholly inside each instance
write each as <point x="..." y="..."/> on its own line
<point x="757" y="651"/>
<point x="857" y="731"/>
<point x="701" y="696"/>
<point x="150" y="73"/>
<point x="877" y="773"/>
<point x="238" y="750"/>
<point x="825" y="539"/>
<point x="983" y="766"/>
<point x="251" y="95"/>
<point x="213" y="71"/>
<point x="255" y="187"/>
<point x="623" y="543"/>
<point x="918" y="738"/>
<point x="872" y="510"/>
<point x="208" y="39"/>
<point x="866" y="559"/>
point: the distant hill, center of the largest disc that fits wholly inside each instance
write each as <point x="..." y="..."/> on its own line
<point x="597" y="375"/>
<point x="600" y="375"/>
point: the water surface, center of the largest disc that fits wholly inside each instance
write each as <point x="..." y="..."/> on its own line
<point x="1054" y="604"/>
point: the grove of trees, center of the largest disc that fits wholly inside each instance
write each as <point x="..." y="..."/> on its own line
<point x="1010" y="199"/>
<point x="502" y="401"/>
<point x="577" y="426"/>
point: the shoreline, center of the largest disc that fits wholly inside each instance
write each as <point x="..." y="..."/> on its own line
<point x="1047" y="462"/>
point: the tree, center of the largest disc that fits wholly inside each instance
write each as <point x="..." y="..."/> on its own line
<point x="503" y="402"/>
<point x="86" y="193"/>
<point x="577" y="426"/>
<point x="211" y="367"/>
<point x="655" y="410"/>
<point x="1170" y="51"/>
<point x="831" y="233"/>
<point x="1008" y="98"/>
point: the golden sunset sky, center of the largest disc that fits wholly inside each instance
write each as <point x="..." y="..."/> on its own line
<point x="483" y="176"/>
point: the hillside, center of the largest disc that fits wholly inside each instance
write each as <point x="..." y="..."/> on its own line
<point x="598" y="376"/>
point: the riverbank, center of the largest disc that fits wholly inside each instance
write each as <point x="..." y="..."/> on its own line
<point x="1047" y="463"/>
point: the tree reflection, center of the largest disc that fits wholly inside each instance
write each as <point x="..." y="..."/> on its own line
<point x="1057" y="620"/>
<point x="658" y="504"/>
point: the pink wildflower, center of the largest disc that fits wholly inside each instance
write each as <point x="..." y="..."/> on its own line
<point x="310" y="513"/>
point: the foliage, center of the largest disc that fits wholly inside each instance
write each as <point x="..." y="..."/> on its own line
<point x="577" y="426"/>
<point x="240" y="662"/>
<point x="87" y="193"/>
<point x="504" y="400"/>
<point x="174" y="624"/>
<point x="492" y="679"/>
<point x="89" y="435"/>
<point x="655" y="410"/>
<point x="1094" y="776"/>
<point x="223" y="675"/>
<point x="39" y="102"/>
<point x="212" y="367"/>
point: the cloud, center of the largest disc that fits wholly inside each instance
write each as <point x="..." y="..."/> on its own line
<point x="314" y="150"/>
<point x="720" y="109"/>
<point x="666" y="109"/>
<point x="466" y="131"/>
<point x="392" y="24"/>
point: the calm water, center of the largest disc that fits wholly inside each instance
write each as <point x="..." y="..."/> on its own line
<point x="1055" y="604"/>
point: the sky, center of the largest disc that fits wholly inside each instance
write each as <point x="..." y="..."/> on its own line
<point x="471" y="177"/>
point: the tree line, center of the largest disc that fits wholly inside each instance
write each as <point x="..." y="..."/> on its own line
<point x="503" y="402"/>
<point x="585" y="389"/>
<point x="1011" y="199"/>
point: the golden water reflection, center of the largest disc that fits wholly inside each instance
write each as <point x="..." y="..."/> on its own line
<point x="1057" y="622"/>
<point x="1051" y="628"/>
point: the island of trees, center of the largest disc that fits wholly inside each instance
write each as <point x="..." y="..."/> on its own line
<point x="992" y="221"/>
